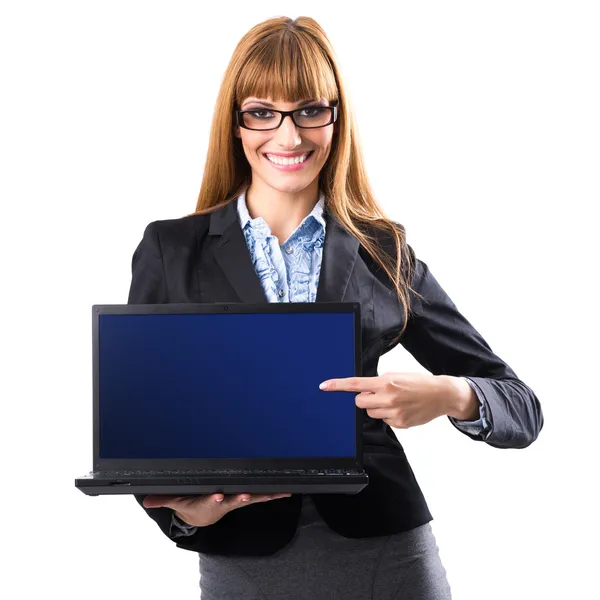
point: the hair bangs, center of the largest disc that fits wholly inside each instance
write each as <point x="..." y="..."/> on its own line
<point x="287" y="68"/>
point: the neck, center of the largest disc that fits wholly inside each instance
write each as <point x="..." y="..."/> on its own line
<point x="282" y="211"/>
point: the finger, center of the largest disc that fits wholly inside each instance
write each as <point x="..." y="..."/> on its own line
<point x="245" y="499"/>
<point x="175" y="502"/>
<point x="372" y="400"/>
<point x="274" y="496"/>
<point x="267" y="497"/>
<point x="381" y="413"/>
<point x="352" y="384"/>
<point x="235" y="500"/>
<point x="157" y="501"/>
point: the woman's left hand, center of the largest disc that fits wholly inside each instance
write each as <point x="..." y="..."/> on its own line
<point x="401" y="400"/>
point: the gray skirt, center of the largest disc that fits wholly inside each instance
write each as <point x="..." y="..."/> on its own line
<point x="320" y="564"/>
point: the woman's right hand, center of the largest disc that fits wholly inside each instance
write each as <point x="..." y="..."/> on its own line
<point x="206" y="510"/>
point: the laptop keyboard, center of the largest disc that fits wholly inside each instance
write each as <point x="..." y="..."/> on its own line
<point x="224" y="472"/>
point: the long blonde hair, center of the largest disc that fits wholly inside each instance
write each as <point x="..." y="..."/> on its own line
<point x="293" y="60"/>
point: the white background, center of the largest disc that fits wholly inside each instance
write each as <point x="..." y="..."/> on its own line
<point x="480" y="127"/>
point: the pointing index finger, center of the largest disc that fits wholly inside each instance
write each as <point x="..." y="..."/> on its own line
<point x="350" y="384"/>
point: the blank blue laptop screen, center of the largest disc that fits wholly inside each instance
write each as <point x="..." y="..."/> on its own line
<point x="225" y="385"/>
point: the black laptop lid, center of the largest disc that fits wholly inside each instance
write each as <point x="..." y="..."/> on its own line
<point x="218" y="386"/>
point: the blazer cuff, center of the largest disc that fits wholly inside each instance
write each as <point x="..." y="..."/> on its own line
<point x="179" y="528"/>
<point x="480" y="428"/>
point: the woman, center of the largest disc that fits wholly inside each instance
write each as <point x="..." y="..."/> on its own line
<point x="285" y="213"/>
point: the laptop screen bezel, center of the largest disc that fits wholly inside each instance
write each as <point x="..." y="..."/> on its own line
<point x="103" y="464"/>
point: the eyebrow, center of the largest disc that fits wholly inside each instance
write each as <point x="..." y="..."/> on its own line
<point x="269" y="105"/>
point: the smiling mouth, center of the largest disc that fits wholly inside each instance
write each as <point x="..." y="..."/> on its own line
<point x="281" y="161"/>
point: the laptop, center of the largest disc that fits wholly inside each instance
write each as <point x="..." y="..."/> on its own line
<point x="224" y="398"/>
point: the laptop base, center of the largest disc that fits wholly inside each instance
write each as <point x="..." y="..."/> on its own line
<point x="319" y="484"/>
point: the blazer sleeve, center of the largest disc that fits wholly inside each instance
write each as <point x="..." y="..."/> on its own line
<point x="148" y="281"/>
<point x="480" y="427"/>
<point x="444" y="342"/>
<point x="148" y="286"/>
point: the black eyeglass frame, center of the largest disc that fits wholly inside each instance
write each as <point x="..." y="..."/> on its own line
<point x="284" y="113"/>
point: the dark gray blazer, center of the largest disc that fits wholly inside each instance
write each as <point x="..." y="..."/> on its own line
<point x="204" y="258"/>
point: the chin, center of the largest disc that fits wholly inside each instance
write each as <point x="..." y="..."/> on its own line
<point x="289" y="187"/>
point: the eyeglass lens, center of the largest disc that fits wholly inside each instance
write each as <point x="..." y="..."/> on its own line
<point x="263" y="118"/>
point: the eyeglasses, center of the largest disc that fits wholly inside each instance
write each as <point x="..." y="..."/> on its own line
<point x="265" y="119"/>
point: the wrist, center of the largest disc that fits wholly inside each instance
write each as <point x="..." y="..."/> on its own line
<point x="461" y="401"/>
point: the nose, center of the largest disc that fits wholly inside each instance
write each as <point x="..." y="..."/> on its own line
<point x="287" y="135"/>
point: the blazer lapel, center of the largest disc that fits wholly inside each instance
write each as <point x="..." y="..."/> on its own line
<point x="233" y="256"/>
<point x="340" y="252"/>
<point x="339" y="255"/>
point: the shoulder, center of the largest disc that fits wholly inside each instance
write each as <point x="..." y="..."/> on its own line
<point x="389" y="236"/>
<point x="179" y="231"/>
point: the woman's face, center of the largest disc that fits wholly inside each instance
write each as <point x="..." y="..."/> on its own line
<point x="264" y="148"/>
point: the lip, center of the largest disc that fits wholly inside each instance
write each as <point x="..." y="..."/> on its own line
<point x="288" y="167"/>
<point x="288" y="154"/>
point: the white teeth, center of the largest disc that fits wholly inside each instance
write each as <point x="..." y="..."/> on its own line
<point x="279" y="160"/>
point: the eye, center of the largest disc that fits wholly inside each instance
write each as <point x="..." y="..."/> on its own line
<point x="258" y="115"/>
<point x="312" y="111"/>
